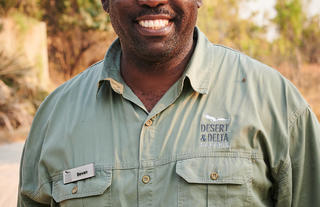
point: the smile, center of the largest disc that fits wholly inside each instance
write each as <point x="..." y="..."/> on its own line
<point x="159" y="25"/>
<point x="154" y="24"/>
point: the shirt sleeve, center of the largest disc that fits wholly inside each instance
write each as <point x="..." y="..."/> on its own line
<point x="27" y="198"/>
<point x="299" y="177"/>
<point x="34" y="183"/>
<point x="24" y="201"/>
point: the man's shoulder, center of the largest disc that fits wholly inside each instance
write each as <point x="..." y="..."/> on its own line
<point x="74" y="93"/>
<point x="259" y="81"/>
<point x="77" y="90"/>
<point x="232" y="62"/>
<point x="227" y="55"/>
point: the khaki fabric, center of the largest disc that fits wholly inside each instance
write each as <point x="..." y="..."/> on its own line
<point x="231" y="132"/>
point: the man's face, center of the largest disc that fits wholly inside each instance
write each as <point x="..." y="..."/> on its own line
<point x="153" y="29"/>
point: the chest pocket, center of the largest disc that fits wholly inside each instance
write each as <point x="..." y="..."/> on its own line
<point x="214" y="181"/>
<point x="93" y="191"/>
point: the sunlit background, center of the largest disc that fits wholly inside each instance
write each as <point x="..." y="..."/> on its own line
<point x="44" y="43"/>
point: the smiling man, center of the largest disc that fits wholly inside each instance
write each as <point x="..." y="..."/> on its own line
<point x="170" y="119"/>
<point x="157" y="33"/>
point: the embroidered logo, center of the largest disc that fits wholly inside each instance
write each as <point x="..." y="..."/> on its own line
<point x="215" y="132"/>
<point x="213" y="119"/>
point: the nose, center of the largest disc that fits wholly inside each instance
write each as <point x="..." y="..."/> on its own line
<point x="152" y="3"/>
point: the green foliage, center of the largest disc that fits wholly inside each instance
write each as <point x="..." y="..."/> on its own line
<point x="19" y="97"/>
<point x="12" y="72"/>
<point x="70" y="25"/>
<point x="30" y="8"/>
<point x="11" y="68"/>
<point x="6" y="6"/>
<point x="216" y="17"/>
<point x="311" y="42"/>
<point x="62" y="14"/>
<point x="289" y="19"/>
<point x="220" y="21"/>
<point x="22" y="21"/>
<point x="67" y="14"/>
<point x="298" y="34"/>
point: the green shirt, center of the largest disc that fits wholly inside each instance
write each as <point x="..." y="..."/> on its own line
<point x="230" y="132"/>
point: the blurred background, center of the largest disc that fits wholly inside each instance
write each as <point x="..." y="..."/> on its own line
<point x="44" y="43"/>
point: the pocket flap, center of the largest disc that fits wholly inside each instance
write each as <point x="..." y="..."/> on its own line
<point x="215" y="170"/>
<point x="94" y="186"/>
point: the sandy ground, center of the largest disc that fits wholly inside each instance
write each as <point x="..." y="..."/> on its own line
<point x="9" y="173"/>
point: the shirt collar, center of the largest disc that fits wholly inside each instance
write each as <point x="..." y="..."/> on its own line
<point x="197" y="70"/>
<point x="111" y="68"/>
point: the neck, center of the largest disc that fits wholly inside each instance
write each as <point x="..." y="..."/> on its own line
<point x="150" y="80"/>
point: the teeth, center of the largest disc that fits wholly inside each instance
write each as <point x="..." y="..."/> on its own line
<point x="154" y="24"/>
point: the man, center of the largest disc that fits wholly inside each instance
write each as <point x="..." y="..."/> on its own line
<point x="169" y="119"/>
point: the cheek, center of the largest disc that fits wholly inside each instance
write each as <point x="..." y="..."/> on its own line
<point x="187" y="10"/>
<point x="117" y="20"/>
<point x="121" y="13"/>
<point x="124" y="6"/>
<point x="190" y="18"/>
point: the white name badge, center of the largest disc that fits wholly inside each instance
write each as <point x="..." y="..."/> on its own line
<point x="79" y="173"/>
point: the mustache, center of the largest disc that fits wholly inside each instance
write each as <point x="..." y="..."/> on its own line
<point x="155" y="11"/>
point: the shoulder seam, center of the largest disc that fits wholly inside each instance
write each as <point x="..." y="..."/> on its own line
<point x="88" y="70"/>
<point x="79" y="77"/>
<point x="95" y="64"/>
<point x="228" y="48"/>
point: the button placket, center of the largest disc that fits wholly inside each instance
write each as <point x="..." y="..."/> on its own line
<point x="147" y="139"/>
<point x="148" y="123"/>
<point x="145" y="188"/>
<point x="146" y="157"/>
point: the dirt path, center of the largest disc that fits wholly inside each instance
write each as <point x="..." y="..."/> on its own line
<point x="9" y="173"/>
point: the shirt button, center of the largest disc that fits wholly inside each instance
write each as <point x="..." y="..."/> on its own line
<point x="146" y="179"/>
<point x="214" y="176"/>
<point x="149" y="123"/>
<point x="74" y="190"/>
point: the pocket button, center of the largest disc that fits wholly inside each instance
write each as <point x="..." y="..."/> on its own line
<point x="214" y="176"/>
<point x="74" y="190"/>
<point x="146" y="179"/>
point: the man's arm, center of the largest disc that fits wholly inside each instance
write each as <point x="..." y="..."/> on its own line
<point x="299" y="177"/>
<point x="34" y="184"/>
<point x="24" y="200"/>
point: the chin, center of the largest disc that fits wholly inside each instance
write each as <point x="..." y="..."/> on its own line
<point x="156" y="52"/>
<point x="157" y="55"/>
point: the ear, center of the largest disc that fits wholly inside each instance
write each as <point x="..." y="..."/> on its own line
<point x="105" y="4"/>
<point x="199" y="3"/>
